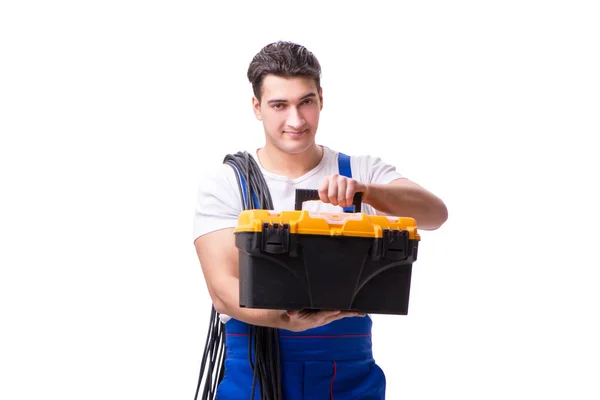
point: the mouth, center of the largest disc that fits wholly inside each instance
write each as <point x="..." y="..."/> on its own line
<point x="295" y="134"/>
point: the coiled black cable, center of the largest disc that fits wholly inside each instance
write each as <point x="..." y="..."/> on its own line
<point x="214" y="354"/>
<point x="265" y="341"/>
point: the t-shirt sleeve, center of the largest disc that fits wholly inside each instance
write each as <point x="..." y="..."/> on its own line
<point x="375" y="170"/>
<point x="218" y="202"/>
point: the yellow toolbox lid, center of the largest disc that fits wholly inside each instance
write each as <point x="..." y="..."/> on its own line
<point x="305" y="222"/>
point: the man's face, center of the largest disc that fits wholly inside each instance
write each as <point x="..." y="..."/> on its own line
<point x="289" y="109"/>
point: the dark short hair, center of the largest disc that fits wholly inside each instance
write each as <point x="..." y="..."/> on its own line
<point x="284" y="59"/>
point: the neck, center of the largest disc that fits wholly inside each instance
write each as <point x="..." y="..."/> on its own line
<point x="291" y="165"/>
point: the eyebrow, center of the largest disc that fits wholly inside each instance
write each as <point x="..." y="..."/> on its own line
<point x="306" y="96"/>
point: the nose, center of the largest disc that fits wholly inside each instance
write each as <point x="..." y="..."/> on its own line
<point x="294" y="118"/>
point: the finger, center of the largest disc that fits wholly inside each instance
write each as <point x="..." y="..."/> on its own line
<point x="350" y="191"/>
<point x="350" y="313"/>
<point x="305" y="314"/>
<point x="342" y="183"/>
<point x="327" y="313"/>
<point x="332" y="318"/>
<point x="323" y="190"/>
<point x="308" y="314"/>
<point x="320" y="317"/>
<point x="345" y="314"/>
<point x="332" y="191"/>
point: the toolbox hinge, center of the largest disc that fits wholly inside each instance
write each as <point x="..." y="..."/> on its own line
<point x="275" y="238"/>
<point x="395" y="244"/>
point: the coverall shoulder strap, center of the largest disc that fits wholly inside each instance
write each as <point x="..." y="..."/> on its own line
<point x="344" y="165"/>
<point x="345" y="169"/>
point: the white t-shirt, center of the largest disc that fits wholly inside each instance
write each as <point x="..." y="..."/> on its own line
<point x="219" y="203"/>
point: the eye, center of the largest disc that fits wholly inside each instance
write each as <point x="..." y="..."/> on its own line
<point x="308" y="101"/>
<point x="277" y="106"/>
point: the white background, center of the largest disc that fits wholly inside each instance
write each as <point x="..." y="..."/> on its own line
<point x="106" y="114"/>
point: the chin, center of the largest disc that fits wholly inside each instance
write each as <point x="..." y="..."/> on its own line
<point x="295" y="148"/>
<point x="295" y="145"/>
<point x="292" y="149"/>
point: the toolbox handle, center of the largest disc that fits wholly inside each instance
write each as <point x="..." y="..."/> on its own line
<point x="303" y="195"/>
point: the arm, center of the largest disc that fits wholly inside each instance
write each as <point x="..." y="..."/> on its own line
<point x="219" y="260"/>
<point x="403" y="197"/>
<point x="387" y="191"/>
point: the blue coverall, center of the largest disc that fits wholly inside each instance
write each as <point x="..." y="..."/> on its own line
<point x="332" y="362"/>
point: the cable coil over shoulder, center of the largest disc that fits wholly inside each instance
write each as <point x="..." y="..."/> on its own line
<point x="266" y="367"/>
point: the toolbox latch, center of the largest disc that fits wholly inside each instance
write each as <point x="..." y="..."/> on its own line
<point x="395" y="244"/>
<point x="275" y="238"/>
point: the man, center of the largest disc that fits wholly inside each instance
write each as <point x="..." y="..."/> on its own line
<point x="316" y="362"/>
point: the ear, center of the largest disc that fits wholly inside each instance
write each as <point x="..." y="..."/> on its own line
<point x="321" y="98"/>
<point x="256" y="108"/>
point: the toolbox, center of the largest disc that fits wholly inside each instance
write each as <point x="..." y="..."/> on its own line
<point x="293" y="260"/>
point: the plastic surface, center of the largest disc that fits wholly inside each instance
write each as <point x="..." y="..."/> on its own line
<point x="326" y="224"/>
<point x="345" y="261"/>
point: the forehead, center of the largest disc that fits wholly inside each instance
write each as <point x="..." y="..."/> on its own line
<point x="277" y="87"/>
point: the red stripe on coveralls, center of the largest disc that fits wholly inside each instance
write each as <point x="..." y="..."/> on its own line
<point x="310" y="337"/>
<point x="332" y="379"/>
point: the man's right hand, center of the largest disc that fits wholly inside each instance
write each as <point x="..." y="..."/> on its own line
<point x="298" y="321"/>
